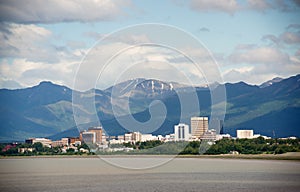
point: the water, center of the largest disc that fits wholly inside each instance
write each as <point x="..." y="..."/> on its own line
<point x="181" y="174"/>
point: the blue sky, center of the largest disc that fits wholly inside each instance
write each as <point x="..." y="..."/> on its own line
<point x="252" y="41"/>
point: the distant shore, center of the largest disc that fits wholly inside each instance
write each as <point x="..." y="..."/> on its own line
<point x="285" y="156"/>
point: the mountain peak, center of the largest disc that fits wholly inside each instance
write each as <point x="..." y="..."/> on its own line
<point x="271" y="82"/>
<point x="43" y="83"/>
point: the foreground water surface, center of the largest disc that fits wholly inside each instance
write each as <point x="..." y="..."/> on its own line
<point x="180" y="174"/>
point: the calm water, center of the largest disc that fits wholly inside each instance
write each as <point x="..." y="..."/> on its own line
<point x="93" y="174"/>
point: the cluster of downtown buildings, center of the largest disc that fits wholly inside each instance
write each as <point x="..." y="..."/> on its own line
<point x="182" y="132"/>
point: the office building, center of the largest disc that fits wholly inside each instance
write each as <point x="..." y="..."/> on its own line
<point x="199" y="126"/>
<point x="209" y="135"/>
<point x="136" y="136"/>
<point x="181" y="132"/>
<point x="244" y="134"/>
<point x="127" y="137"/>
<point x="62" y="142"/>
<point x="45" y="142"/>
<point x="89" y="137"/>
<point x="98" y="132"/>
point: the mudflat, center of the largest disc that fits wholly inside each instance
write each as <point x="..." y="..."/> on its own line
<point x="178" y="174"/>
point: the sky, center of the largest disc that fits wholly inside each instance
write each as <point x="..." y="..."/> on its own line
<point x="62" y="41"/>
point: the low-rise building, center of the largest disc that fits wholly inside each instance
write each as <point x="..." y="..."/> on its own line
<point x="128" y="137"/>
<point x="45" y="142"/>
<point x="26" y="149"/>
<point x="223" y="136"/>
<point x="146" y="137"/>
<point x="244" y="134"/>
<point x="62" y="142"/>
<point x="209" y="135"/>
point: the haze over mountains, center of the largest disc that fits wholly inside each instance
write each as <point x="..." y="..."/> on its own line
<point x="45" y="110"/>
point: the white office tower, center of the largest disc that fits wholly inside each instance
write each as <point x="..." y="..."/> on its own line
<point x="181" y="132"/>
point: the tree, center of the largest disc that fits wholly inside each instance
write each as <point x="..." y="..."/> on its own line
<point x="38" y="147"/>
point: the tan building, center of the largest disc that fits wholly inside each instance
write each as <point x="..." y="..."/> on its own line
<point x="209" y="135"/>
<point x="98" y="131"/>
<point x="73" y="140"/>
<point x="62" y="142"/>
<point x="136" y="136"/>
<point x="44" y="141"/>
<point x="244" y="134"/>
<point x="199" y="126"/>
<point x="128" y="137"/>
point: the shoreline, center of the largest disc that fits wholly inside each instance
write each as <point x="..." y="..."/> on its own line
<point x="286" y="156"/>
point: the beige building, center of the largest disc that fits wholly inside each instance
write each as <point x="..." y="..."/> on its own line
<point x="93" y="135"/>
<point x="62" y="142"/>
<point x="98" y="131"/>
<point x="209" y="135"/>
<point x="244" y="134"/>
<point x="136" y="136"/>
<point x="199" y="126"/>
<point x="44" y="141"/>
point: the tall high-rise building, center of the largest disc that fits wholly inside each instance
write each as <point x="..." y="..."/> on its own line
<point x="199" y="126"/>
<point x="98" y="131"/>
<point x="181" y="132"/>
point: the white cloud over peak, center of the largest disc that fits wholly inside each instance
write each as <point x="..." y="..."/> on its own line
<point x="53" y="11"/>
<point x="255" y="64"/>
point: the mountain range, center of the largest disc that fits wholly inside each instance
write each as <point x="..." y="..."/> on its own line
<point x="46" y="110"/>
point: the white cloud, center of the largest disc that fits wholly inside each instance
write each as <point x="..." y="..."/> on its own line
<point x="229" y="6"/>
<point x="257" y="64"/>
<point x="248" y="75"/>
<point x="260" y="55"/>
<point x="259" y="4"/>
<point x="290" y="37"/>
<point x="232" y="6"/>
<point x="52" y="11"/>
<point x="27" y="41"/>
<point x="36" y="44"/>
<point x="27" y="73"/>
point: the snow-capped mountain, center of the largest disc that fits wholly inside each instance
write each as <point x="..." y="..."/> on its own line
<point x="146" y="88"/>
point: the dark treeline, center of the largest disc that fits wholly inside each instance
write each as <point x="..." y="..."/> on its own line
<point x="225" y="146"/>
<point x="36" y="149"/>
<point x="255" y="146"/>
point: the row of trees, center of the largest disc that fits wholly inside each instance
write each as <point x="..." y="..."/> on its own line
<point x="243" y="146"/>
<point x="37" y="149"/>
<point x="255" y="146"/>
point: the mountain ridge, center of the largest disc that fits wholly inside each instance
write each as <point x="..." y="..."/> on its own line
<point x="46" y="109"/>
